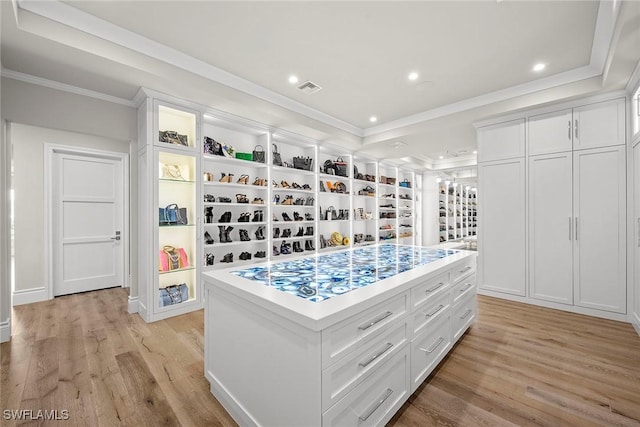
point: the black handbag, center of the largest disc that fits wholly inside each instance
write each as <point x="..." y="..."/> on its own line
<point x="172" y="215"/>
<point x="304" y="163"/>
<point x="258" y="155"/>
<point x="341" y="167"/>
<point x="213" y="147"/>
<point x="329" y="167"/>
<point x="173" y="137"/>
<point x="277" y="160"/>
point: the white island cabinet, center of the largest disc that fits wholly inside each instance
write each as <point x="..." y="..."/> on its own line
<point x="338" y="339"/>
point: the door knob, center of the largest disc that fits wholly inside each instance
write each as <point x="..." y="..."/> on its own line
<point x="117" y="236"/>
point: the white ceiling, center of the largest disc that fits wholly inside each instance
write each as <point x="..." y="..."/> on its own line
<point x="474" y="59"/>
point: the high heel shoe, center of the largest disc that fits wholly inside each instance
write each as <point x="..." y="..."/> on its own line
<point x="258" y="216"/>
<point x="258" y="181"/>
<point x="300" y="232"/>
<point x="297" y="247"/>
<point x="242" y="198"/>
<point x="331" y="187"/>
<point x="244" y="179"/>
<point x="288" y="200"/>
<point x="226" y="178"/>
<point x="207" y="238"/>
<point x="286" y="216"/>
<point x="295" y="185"/>
<point x="285" y="184"/>
<point x="297" y="217"/>
<point x="286" y="233"/>
<point x="244" y="235"/>
<point x="322" y="187"/>
<point x="260" y="233"/>
<point x="208" y="214"/>
<point x="276" y="233"/>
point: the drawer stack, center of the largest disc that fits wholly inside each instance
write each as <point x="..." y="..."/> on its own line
<point x="365" y="372"/>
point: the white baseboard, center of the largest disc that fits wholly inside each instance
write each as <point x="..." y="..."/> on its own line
<point x="635" y="321"/>
<point x="133" y="304"/>
<point x="29" y="296"/>
<point x="5" y="330"/>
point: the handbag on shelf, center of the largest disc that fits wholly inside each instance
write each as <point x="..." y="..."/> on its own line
<point x="258" y="155"/>
<point x="356" y="174"/>
<point x="174" y="294"/>
<point x="341" y="167"/>
<point x="173" y="137"/>
<point x="340" y="187"/>
<point x="211" y="146"/>
<point x="406" y="184"/>
<point x="173" y="172"/>
<point x="391" y="181"/>
<point x="172" y="258"/>
<point x="277" y="159"/>
<point x="330" y="214"/>
<point x="303" y="163"/>
<point x="172" y="215"/>
<point x="329" y="167"/>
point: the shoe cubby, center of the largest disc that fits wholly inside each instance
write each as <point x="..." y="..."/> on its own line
<point x="365" y="202"/>
<point x="457" y="210"/>
<point x="235" y="194"/>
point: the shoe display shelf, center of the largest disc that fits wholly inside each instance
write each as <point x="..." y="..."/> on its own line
<point x="387" y="203"/>
<point x="365" y="202"/>
<point x="334" y="199"/>
<point x="235" y="195"/>
<point x="406" y="207"/>
<point x="456" y="210"/>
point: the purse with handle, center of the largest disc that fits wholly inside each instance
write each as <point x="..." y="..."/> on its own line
<point x="258" y="155"/>
<point x="172" y="215"/>
<point x="172" y="258"/>
<point x="277" y="159"/>
<point x="174" y="294"/>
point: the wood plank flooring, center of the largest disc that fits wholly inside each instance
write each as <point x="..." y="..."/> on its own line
<point x="518" y="365"/>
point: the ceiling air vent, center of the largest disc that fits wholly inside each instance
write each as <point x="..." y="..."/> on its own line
<point x="309" y="87"/>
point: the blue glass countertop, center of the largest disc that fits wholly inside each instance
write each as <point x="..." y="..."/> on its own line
<point x="326" y="276"/>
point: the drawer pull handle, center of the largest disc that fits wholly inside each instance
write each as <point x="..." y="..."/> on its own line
<point x="466" y="287"/>
<point x="376" y="405"/>
<point x="438" y="286"/>
<point x="378" y="354"/>
<point x="466" y="314"/>
<point x="467" y="268"/>
<point x="373" y="322"/>
<point x="433" y="347"/>
<point x="437" y="310"/>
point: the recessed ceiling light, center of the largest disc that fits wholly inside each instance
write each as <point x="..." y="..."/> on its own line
<point x="373" y="119"/>
<point x="293" y="79"/>
<point x="413" y="76"/>
<point x="441" y="157"/>
<point x="539" y="66"/>
<point x="475" y="152"/>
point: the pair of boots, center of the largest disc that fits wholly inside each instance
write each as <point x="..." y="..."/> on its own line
<point x="285" y="233"/>
<point x="226" y="217"/>
<point x="224" y="235"/>
<point x="244" y="235"/>
<point x="258" y="216"/>
<point x="209" y="259"/>
<point x="208" y="215"/>
<point x="308" y="245"/>
<point x="297" y="247"/>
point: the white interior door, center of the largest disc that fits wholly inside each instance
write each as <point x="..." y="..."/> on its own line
<point x="636" y="236"/>
<point x="87" y="226"/>
<point x="551" y="228"/>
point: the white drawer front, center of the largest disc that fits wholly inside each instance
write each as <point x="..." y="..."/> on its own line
<point x="463" y="288"/>
<point x="343" y="376"/>
<point x="350" y="334"/>
<point x="428" y="349"/>
<point x="429" y="312"/>
<point x="463" y="315"/>
<point x="374" y="401"/>
<point x="429" y="289"/>
<point x="463" y="269"/>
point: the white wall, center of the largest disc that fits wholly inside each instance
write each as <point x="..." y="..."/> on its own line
<point x="5" y="277"/>
<point x="37" y="114"/>
<point x="28" y="184"/>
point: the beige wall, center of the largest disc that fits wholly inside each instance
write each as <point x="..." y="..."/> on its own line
<point x="36" y="115"/>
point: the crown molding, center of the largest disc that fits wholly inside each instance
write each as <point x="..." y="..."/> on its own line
<point x="97" y="27"/>
<point x="52" y="84"/>
<point x="634" y="80"/>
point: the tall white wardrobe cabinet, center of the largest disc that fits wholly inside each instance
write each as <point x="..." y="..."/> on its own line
<point x="566" y="205"/>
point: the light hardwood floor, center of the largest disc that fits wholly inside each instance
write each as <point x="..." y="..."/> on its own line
<point x="518" y="365"/>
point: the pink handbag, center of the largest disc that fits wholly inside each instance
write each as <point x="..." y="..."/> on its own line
<point x="172" y="258"/>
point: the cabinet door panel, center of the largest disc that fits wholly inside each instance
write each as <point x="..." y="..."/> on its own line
<point x="550" y="133"/>
<point x="501" y="141"/>
<point x="599" y="125"/>
<point x="501" y="236"/>
<point x="600" y="244"/>
<point x="550" y="228"/>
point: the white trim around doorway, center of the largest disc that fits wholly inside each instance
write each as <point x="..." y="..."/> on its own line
<point x="49" y="151"/>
